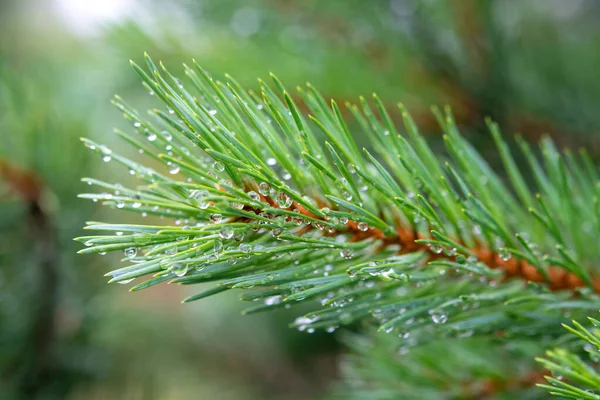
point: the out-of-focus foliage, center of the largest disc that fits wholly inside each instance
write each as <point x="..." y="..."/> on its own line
<point x="385" y="367"/>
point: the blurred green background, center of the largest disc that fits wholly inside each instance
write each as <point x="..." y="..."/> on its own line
<point x="531" y="65"/>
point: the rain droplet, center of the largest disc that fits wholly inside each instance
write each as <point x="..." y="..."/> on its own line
<point x="237" y="206"/>
<point x="126" y="281"/>
<point x="179" y="269"/>
<point x="254" y="196"/>
<point x="120" y="203"/>
<point x="174" y="169"/>
<point x="504" y="255"/>
<point x="363" y="226"/>
<point x="438" y="316"/>
<point x="198" y="196"/>
<point x="239" y="236"/>
<point x="226" y="232"/>
<point x="245" y="248"/>
<point x="151" y="136"/>
<point x="218" y="247"/>
<point x="346" y="253"/>
<point x="283" y="200"/>
<point x="264" y="188"/>
<point x="276" y="232"/>
<point x="216" y="218"/>
<point x="106" y="158"/>
<point x="217" y="166"/>
<point x="437" y="249"/>
<point x="130" y="252"/>
<point x="271" y="161"/>
<point x="272" y="300"/>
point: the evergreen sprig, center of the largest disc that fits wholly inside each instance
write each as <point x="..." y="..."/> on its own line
<point x="270" y="191"/>
<point x="572" y="377"/>
<point x="382" y="367"/>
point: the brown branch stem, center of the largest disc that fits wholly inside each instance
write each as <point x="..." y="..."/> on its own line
<point x="557" y="277"/>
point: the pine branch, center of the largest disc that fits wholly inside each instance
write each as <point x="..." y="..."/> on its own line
<point x="572" y="377"/>
<point x="390" y="367"/>
<point x="390" y="234"/>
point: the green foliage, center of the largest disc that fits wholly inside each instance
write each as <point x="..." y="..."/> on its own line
<point x="259" y="202"/>
<point x="390" y="367"/>
<point x="574" y="378"/>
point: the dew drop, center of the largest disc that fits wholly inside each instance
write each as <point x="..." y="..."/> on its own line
<point x="504" y="254"/>
<point x="217" y="166"/>
<point x="438" y="316"/>
<point x="198" y="196"/>
<point x="363" y="226"/>
<point x="130" y="252"/>
<point x="245" y="248"/>
<point x="179" y="269"/>
<point x="437" y="249"/>
<point x="218" y="247"/>
<point x="264" y="188"/>
<point x="106" y="158"/>
<point x="238" y="236"/>
<point x="276" y="232"/>
<point x="346" y="253"/>
<point x="151" y="136"/>
<point x="254" y="196"/>
<point x="226" y="232"/>
<point x="174" y="169"/>
<point x="271" y="161"/>
<point x="216" y="218"/>
<point x="283" y="200"/>
<point x="272" y="300"/>
<point x="237" y="206"/>
<point x="126" y="281"/>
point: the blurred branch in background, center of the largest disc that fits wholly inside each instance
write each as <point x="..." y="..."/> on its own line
<point x="34" y="363"/>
